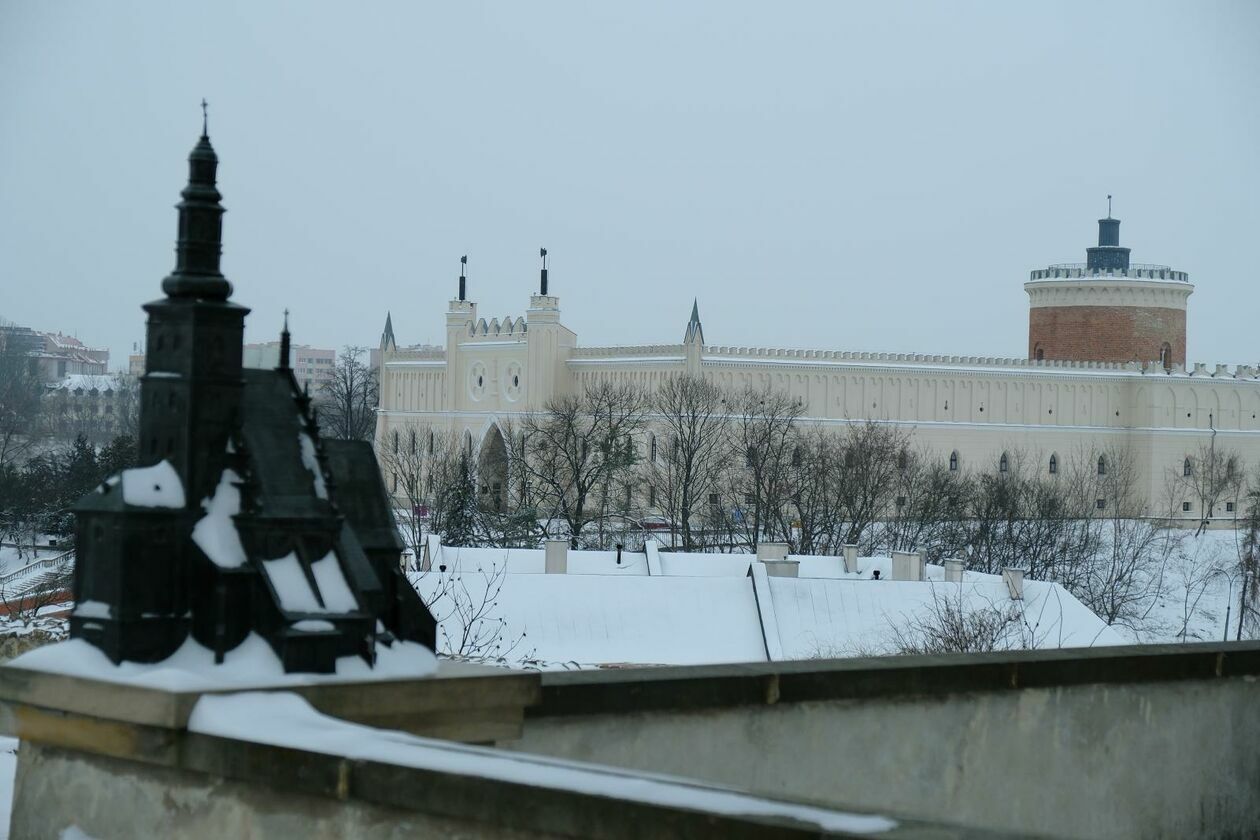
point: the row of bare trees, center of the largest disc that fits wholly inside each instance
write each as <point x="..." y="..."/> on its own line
<point x="714" y="470"/>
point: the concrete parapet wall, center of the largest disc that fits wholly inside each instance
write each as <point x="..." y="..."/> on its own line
<point x="1131" y="742"/>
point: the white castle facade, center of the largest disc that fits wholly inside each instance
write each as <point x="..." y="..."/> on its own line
<point x="968" y="411"/>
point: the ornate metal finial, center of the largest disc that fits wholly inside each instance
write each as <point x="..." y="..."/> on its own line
<point x="1108" y="206"/>
<point x="205" y="118"/>
<point x="542" y="287"/>
<point x="463" y="264"/>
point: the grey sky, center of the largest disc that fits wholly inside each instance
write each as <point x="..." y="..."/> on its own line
<point x="876" y="176"/>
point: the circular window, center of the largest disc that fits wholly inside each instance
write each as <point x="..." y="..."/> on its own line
<point x="477" y="381"/>
<point x="512" y="381"/>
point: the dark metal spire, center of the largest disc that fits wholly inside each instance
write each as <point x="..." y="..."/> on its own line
<point x="694" y="330"/>
<point x="200" y="242"/>
<point x="463" y="281"/>
<point x="284" y="343"/>
<point x="542" y="252"/>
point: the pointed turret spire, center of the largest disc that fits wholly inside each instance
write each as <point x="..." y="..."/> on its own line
<point x="695" y="332"/>
<point x="284" y="343"/>
<point x="200" y="242"/>
<point x="387" y="335"/>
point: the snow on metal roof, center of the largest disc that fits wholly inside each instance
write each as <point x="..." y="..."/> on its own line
<point x="676" y="608"/>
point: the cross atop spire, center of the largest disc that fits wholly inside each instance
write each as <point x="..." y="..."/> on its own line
<point x="695" y="332"/>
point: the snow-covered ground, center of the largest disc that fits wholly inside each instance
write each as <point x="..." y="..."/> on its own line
<point x="1197" y="587"/>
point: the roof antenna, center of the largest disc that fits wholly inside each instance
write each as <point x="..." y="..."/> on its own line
<point x="542" y="252"/>
<point x="284" y="343"/>
<point x="205" y="118"/>
<point x="463" y="262"/>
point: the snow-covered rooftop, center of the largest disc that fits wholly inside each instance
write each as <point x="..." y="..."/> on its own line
<point x="677" y="608"/>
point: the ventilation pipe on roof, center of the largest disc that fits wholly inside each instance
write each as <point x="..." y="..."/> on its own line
<point x="1014" y="579"/>
<point x="907" y="565"/>
<point x="557" y="557"/>
<point x="783" y="568"/>
<point x="772" y="551"/>
<point x="953" y="571"/>
<point x="850" y="558"/>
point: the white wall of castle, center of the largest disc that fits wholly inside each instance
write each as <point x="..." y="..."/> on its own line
<point x="978" y="407"/>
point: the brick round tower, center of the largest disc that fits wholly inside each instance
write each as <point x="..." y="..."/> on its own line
<point x="1107" y="309"/>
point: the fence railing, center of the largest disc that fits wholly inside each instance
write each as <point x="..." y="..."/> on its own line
<point x="43" y="563"/>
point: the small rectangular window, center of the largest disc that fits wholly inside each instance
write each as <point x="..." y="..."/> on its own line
<point x="713" y="498"/>
<point x="1229" y="507"/>
<point x="1185" y="506"/>
<point x="1101" y="504"/>
<point x="901" y="501"/>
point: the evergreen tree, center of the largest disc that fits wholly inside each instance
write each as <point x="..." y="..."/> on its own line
<point x="461" y="508"/>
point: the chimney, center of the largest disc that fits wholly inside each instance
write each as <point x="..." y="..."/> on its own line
<point x="772" y="551"/>
<point x="850" y="558"/>
<point x="783" y="568"/>
<point x="953" y="571"/>
<point x="1014" y="579"/>
<point x="557" y="557"/>
<point x="907" y="565"/>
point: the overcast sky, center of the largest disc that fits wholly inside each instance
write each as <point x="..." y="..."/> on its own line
<point x="859" y="176"/>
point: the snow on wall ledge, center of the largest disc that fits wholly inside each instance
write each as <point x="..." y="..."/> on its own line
<point x="284" y="719"/>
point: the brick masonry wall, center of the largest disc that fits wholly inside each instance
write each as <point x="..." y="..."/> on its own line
<point x="1106" y="333"/>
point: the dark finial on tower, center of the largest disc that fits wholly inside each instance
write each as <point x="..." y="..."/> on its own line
<point x="463" y="281"/>
<point x="205" y="118"/>
<point x="200" y="241"/>
<point x="542" y="252"/>
<point x="284" y="343"/>
<point x="1108" y="206"/>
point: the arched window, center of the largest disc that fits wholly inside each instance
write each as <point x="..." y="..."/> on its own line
<point x="1165" y="356"/>
<point x="1054" y="464"/>
<point x="903" y="460"/>
<point x="430" y="441"/>
<point x="1102" y="464"/>
<point x="1039" y="353"/>
<point x="1004" y="463"/>
<point x="796" y="457"/>
<point x="1231" y="467"/>
<point x="412" y="441"/>
<point x="652" y="447"/>
<point x="953" y="462"/>
<point x="395" y="441"/>
<point x="1187" y="469"/>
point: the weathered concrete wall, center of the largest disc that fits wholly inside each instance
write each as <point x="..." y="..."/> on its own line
<point x="1152" y="760"/>
<point x="114" y="799"/>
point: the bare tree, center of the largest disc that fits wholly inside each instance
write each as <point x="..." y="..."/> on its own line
<point x="1212" y="476"/>
<point x="688" y="467"/>
<point x="465" y="603"/>
<point x="761" y="444"/>
<point x="347" y="401"/>
<point x="20" y="391"/>
<point x="575" y="447"/>
<point x="1123" y="579"/>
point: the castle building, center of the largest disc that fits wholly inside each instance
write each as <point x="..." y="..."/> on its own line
<point x="239" y="518"/>
<point x="1105" y="371"/>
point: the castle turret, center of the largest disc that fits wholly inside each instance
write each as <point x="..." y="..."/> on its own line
<point x="1108" y="309"/>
